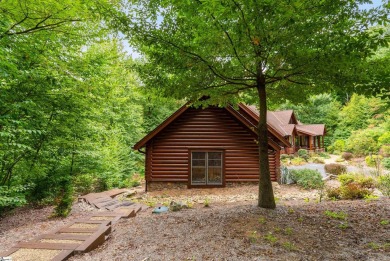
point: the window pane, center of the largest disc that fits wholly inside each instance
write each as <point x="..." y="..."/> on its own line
<point x="198" y="163"/>
<point x="213" y="163"/>
<point x="215" y="155"/>
<point x="198" y="175"/>
<point x="198" y="155"/>
<point x="214" y="175"/>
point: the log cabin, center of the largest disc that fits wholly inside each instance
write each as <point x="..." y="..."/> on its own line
<point x="212" y="147"/>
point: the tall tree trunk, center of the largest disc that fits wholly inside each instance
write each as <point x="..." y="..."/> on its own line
<point x="266" y="194"/>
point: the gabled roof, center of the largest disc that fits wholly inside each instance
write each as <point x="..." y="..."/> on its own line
<point x="289" y="129"/>
<point x="229" y="108"/>
<point x="162" y="126"/>
<point x="278" y="120"/>
<point x="254" y="113"/>
<point x="284" y="116"/>
<point x="285" y="123"/>
<point x="312" y="129"/>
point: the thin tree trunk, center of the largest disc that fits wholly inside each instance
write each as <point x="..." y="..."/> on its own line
<point x="266" y="194"/>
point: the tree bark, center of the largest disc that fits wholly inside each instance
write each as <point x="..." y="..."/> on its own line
<point x="266" y="194"/>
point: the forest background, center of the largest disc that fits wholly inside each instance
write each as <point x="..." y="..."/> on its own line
<point x="72" y="107"/>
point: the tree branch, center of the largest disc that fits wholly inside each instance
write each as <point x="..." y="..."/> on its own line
<point x="233" y="80"/>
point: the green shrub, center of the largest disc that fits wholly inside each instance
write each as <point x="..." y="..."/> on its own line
<point x="307" y="178"/>
<point x="284" y="156"/>
<point x="335" y="169"/>
<point x="84" y="184"/>
<point x="347" y="155"/>
<point x="386" y="163"/>
<point x="373" y="160"/>
<point x="336" y="215"/>
<point x="385" y="150"/>
<point x="324" y="155"/>
<point x="333" y="193"/>
<point x="302" y="153"/>
<point x="338" y="145"/>
<point x="353" y="186"/>
<point x="384" y="138"/>
<point x="330" y="149"/>
<point x="13" y="196"/>
<point x="64" y="199"/>
<point x="354" y="191"/>
<point x="365" y="141"/>
<point x="384" y="184"/>
<point x="360" y="179"/>
<point x="318" y="160"/>
<point x="346" y="178"/>
<point x="340" y="159"/>
<point x="298" y="161"/>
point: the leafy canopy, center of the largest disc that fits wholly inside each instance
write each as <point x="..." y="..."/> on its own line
<point x="220" y="48"/>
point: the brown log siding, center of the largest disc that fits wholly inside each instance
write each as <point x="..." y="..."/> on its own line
<point x="211" y="128"/>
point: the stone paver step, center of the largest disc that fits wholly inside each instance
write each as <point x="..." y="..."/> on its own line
<point x="32" y="253"/>
<point x="40" y="245"/>
<point x="82" y="235"/>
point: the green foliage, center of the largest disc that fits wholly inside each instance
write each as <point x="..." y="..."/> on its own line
<point x="385" y="150"/>
<point x="271" y="238"/>
<point x="64" y="199"/>
<point x="369" y="198"/>
<point x="318" y="160"/>
<point x="337" y="147"/>
<point x="363" y="180"/>
<point x="262" y="220"/>
<point x="317" y="109"/>
<point x="384" y="184"/>
<point x="362" y="123"/>
<point x="307" y="178"/>
<point x="289" y="246"/>
<point x="386" y="163"/>
<point x="284" y="156"/>
<point x="333" y="193"/>
<point x="336" y="215"/>
<point x="303" y="153"/>
<point x="206" y="202"/>
<point x="384" y="222"/>
<point x="354" y="191"/>
<point x="355" y="114"/>
<point x="298" y="161"/>
<point x="349" y="191"/>
<point x="195" y="49"/>
<point x="353" y="186"/>
<point x="84" y="184"/>
<point x="373" y="160"/>
<point x="324" y="155"/>
<point x="71" y="106"/>
<point x="344" y="225"/>
<point x="384" y="138"/>
<point x="365" y="141"/>
<point x="11" y="197"/>
<point x="253" y="237"/>
<point x="335" y="169"/>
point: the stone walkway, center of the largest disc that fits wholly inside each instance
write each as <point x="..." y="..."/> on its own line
<point x="80" y="236"/>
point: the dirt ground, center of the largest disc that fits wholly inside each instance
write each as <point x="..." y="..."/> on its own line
<point x="231" y="228"/>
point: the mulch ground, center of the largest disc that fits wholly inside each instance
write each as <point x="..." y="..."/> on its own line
<point x="233" y="228"/>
